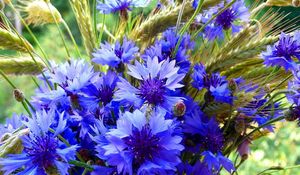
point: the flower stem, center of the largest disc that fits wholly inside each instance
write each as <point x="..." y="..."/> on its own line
<point x="14" y="87"/>
<point x="82" y="164"/>
<point x="186" y="26"/>
<point x="60" y="33"/>
<point x="72" y="37"/>
<point x="32" y="35"/>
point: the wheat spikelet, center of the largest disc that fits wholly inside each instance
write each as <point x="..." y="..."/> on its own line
<point x="238" y="40"/>
<point x="39" y="12"/>
<point x="20" y="66"/>
<point x="238" y="55"/>
<point x="165" y="19"/>
<point x="11" y="41"/>
<point x="281" y="3"/>
<point x="83" y="17"/>
<point x="242" y="68"/>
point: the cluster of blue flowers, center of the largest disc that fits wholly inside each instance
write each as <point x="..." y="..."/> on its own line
<point x="138" y="116"/>
<point x="125" y="122"/>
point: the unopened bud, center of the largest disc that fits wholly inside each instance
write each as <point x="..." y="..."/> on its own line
<point x="19" y="96"/>
<point x="179" y="109"/>
<point x="240" y="126"/>
<point x="292" y="114"/>
<point x="232" y="85"/>
<point x="296" y="3"/>
<point x="244" y="149"/>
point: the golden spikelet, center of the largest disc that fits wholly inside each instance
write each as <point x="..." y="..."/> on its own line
<point x="240" y="54"/>
<point x="11" y="41"/>
<point x="39" y="12"/>
<point x="295" y="3"/>
<point x="81" y="10"/>
<point x="21" y="65"/>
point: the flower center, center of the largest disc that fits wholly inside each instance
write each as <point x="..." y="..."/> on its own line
<point x="226" y="19"/>
<point x="286" y="47"/>
<point x="152" y="90"/>
<point x="43" y="151"/>
<point x="106" y="94"/>
<point x="143" y="144"/>
<point x="119" y="52"/>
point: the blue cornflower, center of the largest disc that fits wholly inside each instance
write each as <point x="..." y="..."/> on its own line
<point x="114" y="54"/>
<point x="11" y="124"/>
<point x="156" y="81"/>
<point x="100" y="92"/>
<point x="113" y="6"/>
<point x="42" y="150"/>
<point x="261" y="113"/>
<point x="283" y="52"/>
<point x="69" y="79"/>
<point x="207" y="136"/>
<point x="142" y="144"/>
<point x="164" y="48"/>
<point x="229" y="20"/>
<point x="216" y="84"/>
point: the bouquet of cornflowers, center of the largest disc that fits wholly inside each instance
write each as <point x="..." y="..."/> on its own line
<point x="175" y="90"/>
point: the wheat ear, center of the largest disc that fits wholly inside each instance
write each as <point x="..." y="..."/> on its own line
<point x="21" y="65"/>
<point x="11" y="41"/>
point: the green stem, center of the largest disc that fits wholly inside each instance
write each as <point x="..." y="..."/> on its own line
<point x="72" y="37"/>
<point x="229" y="120"/>
<point x="186" y="26"/>
<point x="282" y="82"/>
<point x="257" y="129"/>
<point x="14" y="87"/>
<point x="47" y="63"/>
<point x="272" y="98"/>
<point x="82" y="164"/>
<point x="95" y="16"/>
<point x="31" y="55"/>
<point x="197" y="11"/>
<point x="60" y="33"/>
<point x="212" y="18"/>
<point x="102" y="29"/>
<point x="27" y="109"/>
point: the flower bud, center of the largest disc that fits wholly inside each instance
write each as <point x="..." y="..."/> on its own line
<point x="240" y="126"/>
<point x="292" y="114"/>
<point x="179" y="109"/>
<point x="244" y="149"/>
<point x="19" y="95"/>
<point x="296" y="3"/>
<point x="232" y="85"/>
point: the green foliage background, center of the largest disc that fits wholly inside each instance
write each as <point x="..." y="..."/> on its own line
<point x="280" y="149"/>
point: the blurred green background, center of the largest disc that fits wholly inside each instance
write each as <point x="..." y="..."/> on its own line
<point x="280" y="149"/>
